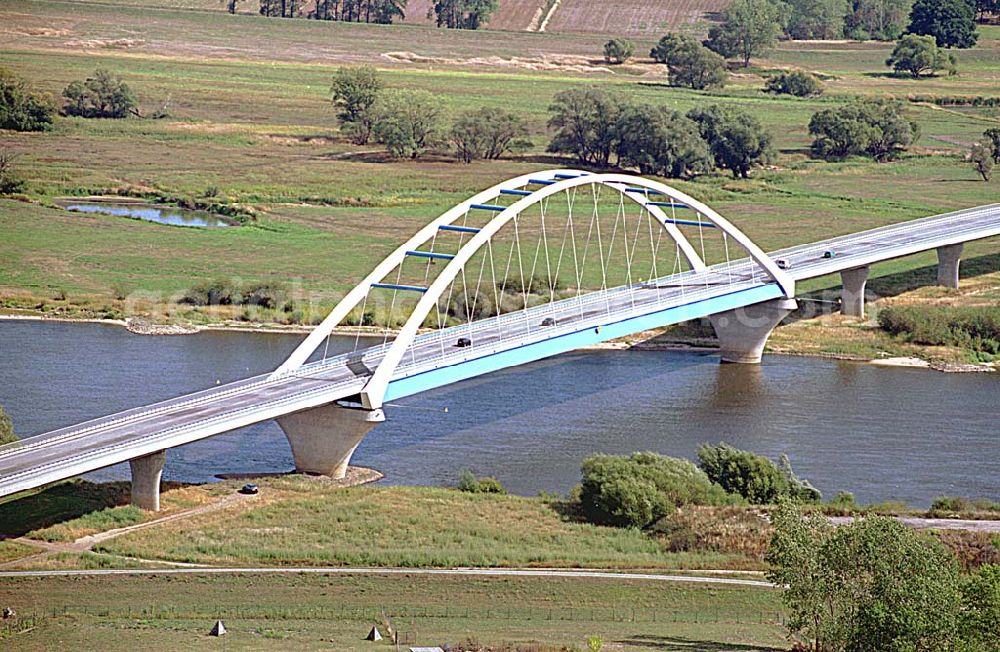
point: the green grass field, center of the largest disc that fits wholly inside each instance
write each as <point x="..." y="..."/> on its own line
<point x="250" y="115"/>
<point x="295" y="612"/>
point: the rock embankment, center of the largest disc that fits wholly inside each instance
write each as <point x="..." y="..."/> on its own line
<point x="141" y="326"/>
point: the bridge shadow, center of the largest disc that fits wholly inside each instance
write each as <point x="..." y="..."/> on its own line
<point x="24" y="513"/>
<point x="685" y="644"/>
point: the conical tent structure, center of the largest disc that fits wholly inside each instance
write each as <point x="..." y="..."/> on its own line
<point x="374" y="635"/>
<point x="218" y="629"/>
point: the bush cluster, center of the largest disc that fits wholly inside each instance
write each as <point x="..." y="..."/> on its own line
<point x="468" y="482"/>
<point x="411" y="122"/>
<point x="596" y="127"/>
<point x="797" y="83"/>
<point x="956" y="100"/>
<point x="869" y="127"/>
<point x="638" y="490"/>
<point x="103" y="95"/>
<point x="21" y="107"/>
<point x="754" y="477"/>
<point x="222" y="292"/>
<point x="6" y="428"/>
<point x="689" y="63"/>
<point x="975" y="328"/>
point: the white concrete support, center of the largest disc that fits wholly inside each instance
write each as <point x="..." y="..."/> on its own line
<point x="146" y="474"/>
<point x="324" y="438"/>
<point x="743" y="332"/>
<point x="852" y="297"/>
<point x="948" y="259"/>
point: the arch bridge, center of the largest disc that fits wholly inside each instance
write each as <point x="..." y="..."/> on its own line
<point x="532" y="267"/>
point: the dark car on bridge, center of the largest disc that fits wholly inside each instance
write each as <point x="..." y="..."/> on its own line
<point x="463" y="342"/>
<point x="549" y="321"/>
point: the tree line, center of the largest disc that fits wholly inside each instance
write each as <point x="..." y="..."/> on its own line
<point x="457" y="14"/>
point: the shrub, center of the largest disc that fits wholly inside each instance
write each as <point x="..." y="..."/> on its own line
<point x="992" y="137"/>
<point x="919" y="55"/>
<point x="797" y="83"/>
<point x="843" y="502"/>
<point x="7" y="435"/>
<point x="658" y="140"/>
<point x="976" y="328"/>
<point x="408" y="123"/>
<point x="21" y="108"/>
<point x="638" y="490"/>
<point x="618" y="50"/>
<point x="981" y="616"/>
<point x="488" y="133"/>
<point x="689" y="63"/>
<point x="872" y="127"/>
<point x="102" y="96"/>
<point x="752" y="476"/>
<point x="221" y="292"/>
<point x="981" y="157"/>
<point x="584" y="120"/>
<point x="10" y="181"/>
<point x="355" y="92"/>
<point x="468" y="482"/>
<point x="736" y="139"/>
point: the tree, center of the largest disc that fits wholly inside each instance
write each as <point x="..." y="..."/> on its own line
<point x="7" y="435"/>
<point x="992" y="136"/>
<point x="638" y="490"/>
<point x="408" y="123"/>
<point x="660" y="141"/>
<point x="918" y="55"/>
<point x="462" y="14"/>
<point x="985" y="7"/>
<point x="21" y="108"/>
<point x="689" y="63"/>
<point x="355" y="93"/>
<point x="10" y="181"/>
<point x="882" y="20"/>
<point x="981" y="157"/>
<point x="488" y="133"/>
<point x="585" y="123"/>
<point x="875" y="127"/>
<point x="817" y="19"/>
<point x="736" y="139"/>
<point x="951" y="22"/>
<point x="104" y="95"/>
<point x="797" y="82"/>
<point x="873" y="584"/>
<point x="618" y="50"/>
<point x="749" y="27"/>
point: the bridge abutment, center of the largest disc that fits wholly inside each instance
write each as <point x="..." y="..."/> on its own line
<point x="949" y="258"/>
<point x="852" y="297"/>
<point x="324" y="438"/>
<point x="146" y="474"/>
<point x="743" y="332"/>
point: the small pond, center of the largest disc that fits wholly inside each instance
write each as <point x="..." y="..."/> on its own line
<point x="158" y="213"/>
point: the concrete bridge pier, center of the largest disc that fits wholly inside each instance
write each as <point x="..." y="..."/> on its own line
<point x="146" y="474"/>
<point x="852" y="297"/>
<point x="743" y="332"/>
<point x="948" y="259"/>
<point x="324" y="438"/>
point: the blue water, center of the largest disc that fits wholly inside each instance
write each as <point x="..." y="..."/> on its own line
<point x="882" y="433"/>
<point x="151" y="213"/>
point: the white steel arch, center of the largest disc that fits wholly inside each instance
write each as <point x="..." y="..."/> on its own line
<point x="374" y="391"/>
<point x="353" y="298"/>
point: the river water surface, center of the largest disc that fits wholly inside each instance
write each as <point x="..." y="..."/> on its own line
<point x="882" y="433"/>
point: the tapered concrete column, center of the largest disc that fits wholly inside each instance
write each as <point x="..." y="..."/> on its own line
<point x="146" y="473"/>
<point x="324" y="438"/>
<point x="852" y="297"/>
<point x="948" y="260"/>
<point x="743" y="332"/>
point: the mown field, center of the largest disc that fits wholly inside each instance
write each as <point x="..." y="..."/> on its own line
<point x="296" y="612"/>
<point x="250" y="116"/>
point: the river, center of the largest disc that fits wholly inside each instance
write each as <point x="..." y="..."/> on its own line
<point x="881" y="433"/>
